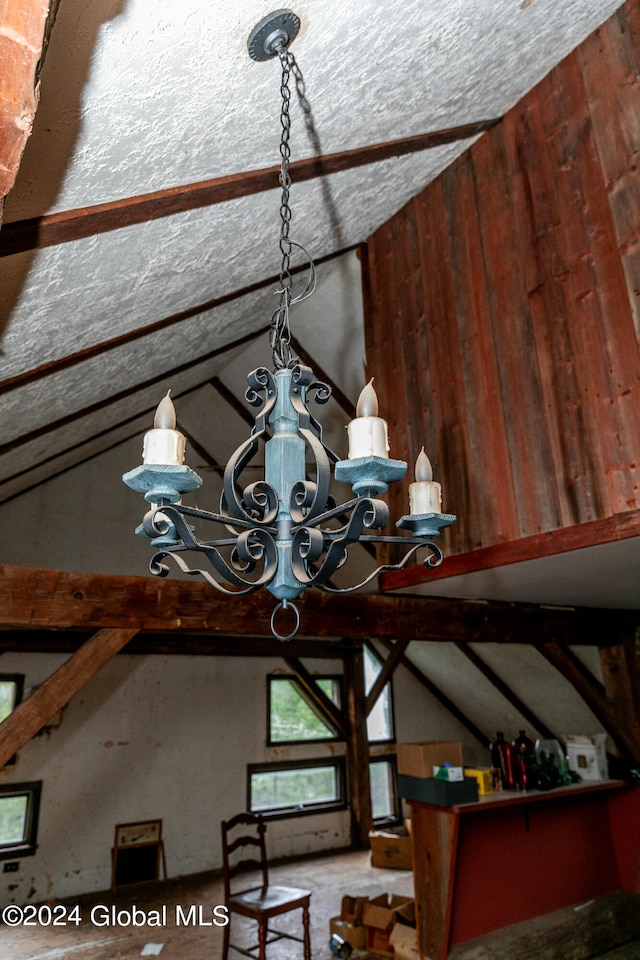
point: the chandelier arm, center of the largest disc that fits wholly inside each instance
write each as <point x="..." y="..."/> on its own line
<point x="250" y="548"/>
<point x="306" y="541"/>
<point x="181" y="509"/>
<point x="379" y="509"/>
<point x="260" y="381"/>
<point x="432" y="561"/>
<point x="160" y="569"/>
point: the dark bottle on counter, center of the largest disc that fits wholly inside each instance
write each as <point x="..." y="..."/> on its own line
<point x="524" y="761"/>
<point x="502" y="757"/>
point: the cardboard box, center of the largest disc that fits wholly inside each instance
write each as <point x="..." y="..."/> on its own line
<point x="484" y="776"/>
<point x="379" y="941"/>
<point x="380" y="915"/>
<point x="351" y="909"/>
<point x="440" y="792"/>
<point x="587" y="756"/>
<point x="355" y="934"/>
<point x="391" y="850"/>
<point x="418" y="759"/>
<point x="404" y="940"/>
<point x="383" y="911"/>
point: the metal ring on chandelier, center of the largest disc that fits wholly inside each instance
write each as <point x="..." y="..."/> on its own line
<point x="285" y="605"/>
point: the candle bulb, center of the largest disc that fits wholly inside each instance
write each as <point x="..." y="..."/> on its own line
<point x="367" y="434"/>
<point x="164" y="444"/>
<point x="425" y="495"/>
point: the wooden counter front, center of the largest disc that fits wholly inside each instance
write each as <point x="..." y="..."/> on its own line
<point x="513" y="856"/>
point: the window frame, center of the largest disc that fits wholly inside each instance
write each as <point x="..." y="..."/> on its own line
<point x="28" y="846"/>
<point x="291" y="678"/>
<point x="396" y="819"/>
<point x="369" y="648"/>
<point x="18" y="680"/>
<point x="280" y="813"/>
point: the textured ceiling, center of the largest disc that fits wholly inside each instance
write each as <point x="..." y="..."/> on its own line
<point x="139" y="96"/>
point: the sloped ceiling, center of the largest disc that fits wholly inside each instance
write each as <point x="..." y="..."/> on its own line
<point x="140" y="97"/>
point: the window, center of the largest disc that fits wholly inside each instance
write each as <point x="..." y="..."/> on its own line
<point x="19" y="807"/>
<point x="380" y="720"/>
<point x="297" y="787"/>
<point x="292" y="717"/>
<point x="384" y="796"/>
<point x="11" y="690"/>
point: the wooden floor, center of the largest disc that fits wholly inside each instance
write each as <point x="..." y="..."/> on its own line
<point x="329" y="878"/>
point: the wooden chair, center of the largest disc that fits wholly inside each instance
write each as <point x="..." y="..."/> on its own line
<point x="262" y="902"/>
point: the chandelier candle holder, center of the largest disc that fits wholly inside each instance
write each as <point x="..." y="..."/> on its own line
<point x="285" y="532"/>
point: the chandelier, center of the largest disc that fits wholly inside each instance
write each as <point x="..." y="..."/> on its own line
<point x="285" y="532"/>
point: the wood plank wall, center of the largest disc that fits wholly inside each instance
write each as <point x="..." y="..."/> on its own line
<point x="502" y="309"/>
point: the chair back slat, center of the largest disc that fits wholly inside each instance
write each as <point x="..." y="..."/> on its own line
<point x="254" y="839"/>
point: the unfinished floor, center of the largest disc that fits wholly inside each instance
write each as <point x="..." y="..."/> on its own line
<point x="329" y="878"/>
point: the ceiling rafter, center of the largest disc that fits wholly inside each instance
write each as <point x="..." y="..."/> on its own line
<point x="68" y="225"/>
<point x="98" y="349"/>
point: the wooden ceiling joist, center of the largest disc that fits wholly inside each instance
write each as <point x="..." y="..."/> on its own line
<point x="396" y="652"/>
<point x="441" y="697"/>
<point x="506" y="691"/>
<point x="76" y="224"/>
<point x="57" y="599"/>
<point x="99" y="349"/>
<point x="598" y="704"/>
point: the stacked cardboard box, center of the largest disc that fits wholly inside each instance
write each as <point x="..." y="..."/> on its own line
<point x="415" y="773"/>
<point x="373" y="923"/>
<point x="381" y="915"/>
<point x="349" y="924"/>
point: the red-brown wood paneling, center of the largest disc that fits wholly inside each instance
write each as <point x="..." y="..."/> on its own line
<point x="502" y="310"/>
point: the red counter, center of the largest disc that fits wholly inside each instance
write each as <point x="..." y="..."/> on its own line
<point x="513" y="856"/>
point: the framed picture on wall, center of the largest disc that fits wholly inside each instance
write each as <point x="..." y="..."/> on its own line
<point x="137" y="853"/>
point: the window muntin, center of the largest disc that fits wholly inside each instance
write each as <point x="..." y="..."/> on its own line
<point x="294" y="788"/>
<point x="292" y="718"/>
<point x="19" y="809"/>
<point x="380" y="728"/>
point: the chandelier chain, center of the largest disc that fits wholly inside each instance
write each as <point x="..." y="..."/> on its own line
<point x="280" y="338"/>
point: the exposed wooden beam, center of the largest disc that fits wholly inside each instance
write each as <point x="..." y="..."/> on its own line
<point x="172" y="644"/>
<point x="620" y="526"/>
<point x="506" y="691"/>
<point x="32" y="597"/>
<point x="319" y="700"/>
<point x="33" y="713"/>
<point x="70" y="225"/>
<point x="23" y="35"/>
<point x="621" y="672"/>
<point x="396" y="652"/>
<point x="357" y="751"/>
<point x="442" y="698"/>
<point x="596" y="703"/>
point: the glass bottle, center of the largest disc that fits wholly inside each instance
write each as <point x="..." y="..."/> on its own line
<point x="524" y="761"/>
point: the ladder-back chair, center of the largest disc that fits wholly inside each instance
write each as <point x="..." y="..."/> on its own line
<point x="246" y="854"/>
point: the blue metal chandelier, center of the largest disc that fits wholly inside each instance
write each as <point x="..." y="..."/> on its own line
<point x="284" y="532"/>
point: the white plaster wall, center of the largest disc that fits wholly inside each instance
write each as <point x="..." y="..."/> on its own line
<point x="151" y="737"/>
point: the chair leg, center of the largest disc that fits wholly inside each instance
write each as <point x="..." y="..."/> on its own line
<point x="262" y="939"/>
<point x="225" y="937"/>
<point x="305" y="925"/>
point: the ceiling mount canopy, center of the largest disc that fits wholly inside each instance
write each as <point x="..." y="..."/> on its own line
<point x="273" y="33"/>
<point x="285" y="532"/>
